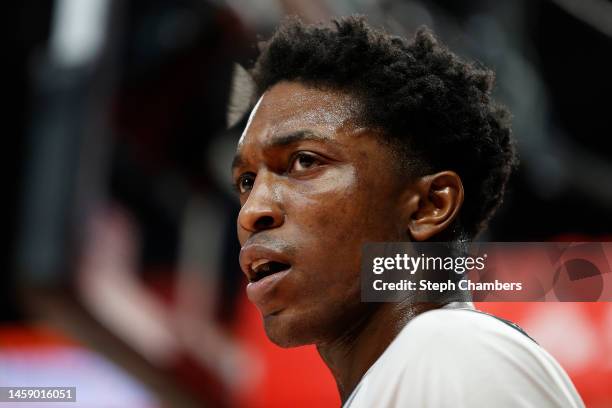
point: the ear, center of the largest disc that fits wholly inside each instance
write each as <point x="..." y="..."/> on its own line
<point x="434" y="205"/>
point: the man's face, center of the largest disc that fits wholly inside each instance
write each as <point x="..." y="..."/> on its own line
<point x="314" y="188"/>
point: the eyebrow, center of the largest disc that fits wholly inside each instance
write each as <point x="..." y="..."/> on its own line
<point x="286" y="139"/>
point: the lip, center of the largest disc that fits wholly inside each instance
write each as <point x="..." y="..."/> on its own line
<point x="253" y="252"/>
<point x="259" y="291"/>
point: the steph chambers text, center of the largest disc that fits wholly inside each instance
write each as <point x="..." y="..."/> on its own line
<point x="427" y="285"/>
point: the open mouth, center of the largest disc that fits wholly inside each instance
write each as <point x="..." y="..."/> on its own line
<point x="264" y="267"/>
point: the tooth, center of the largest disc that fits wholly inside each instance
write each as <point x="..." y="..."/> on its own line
<point x="258" y="263"/>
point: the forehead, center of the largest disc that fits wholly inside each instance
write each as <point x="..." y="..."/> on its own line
<point x="289" y="106"/>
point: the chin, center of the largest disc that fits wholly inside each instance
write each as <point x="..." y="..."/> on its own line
<point x="288" y="331"/>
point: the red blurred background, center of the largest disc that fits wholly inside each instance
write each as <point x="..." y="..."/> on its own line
<point x="121" y="271"/>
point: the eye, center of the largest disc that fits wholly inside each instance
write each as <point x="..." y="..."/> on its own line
<point x="303" y="161"/>
<point x="245" y="182"/>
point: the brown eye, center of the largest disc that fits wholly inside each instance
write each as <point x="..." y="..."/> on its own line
<point x="303" y="161"/>
<point x="245" y="182"/>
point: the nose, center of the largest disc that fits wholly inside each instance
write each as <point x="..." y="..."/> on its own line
<point x="262" y="209"/>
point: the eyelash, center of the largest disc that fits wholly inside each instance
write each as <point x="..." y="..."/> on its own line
<point x="300" y="155"/>
<point x="294" y="158"/>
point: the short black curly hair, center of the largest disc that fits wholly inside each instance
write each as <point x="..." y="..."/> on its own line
<point x="433" y="106"/>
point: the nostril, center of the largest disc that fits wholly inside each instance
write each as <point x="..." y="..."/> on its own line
<point x="264" y="222"/>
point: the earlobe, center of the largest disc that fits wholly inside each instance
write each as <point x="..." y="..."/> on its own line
<point x="439" y="197"/>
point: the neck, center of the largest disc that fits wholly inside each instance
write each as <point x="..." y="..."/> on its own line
<point x="352" y="354"/>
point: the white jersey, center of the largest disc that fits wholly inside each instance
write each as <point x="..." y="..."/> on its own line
<point x="453" y="357"/>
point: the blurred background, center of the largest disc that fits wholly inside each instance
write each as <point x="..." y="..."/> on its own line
<point x="121" y="275"/>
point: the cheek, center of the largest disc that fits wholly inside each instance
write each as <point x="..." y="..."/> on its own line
<point x="325" y="206"/>
<point x="335" y="215"/>
<point x="344" y="205"/>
